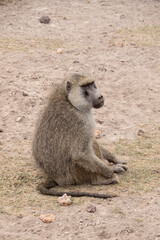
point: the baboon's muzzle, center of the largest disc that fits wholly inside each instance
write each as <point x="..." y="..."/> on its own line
<point x="99" y="102"/>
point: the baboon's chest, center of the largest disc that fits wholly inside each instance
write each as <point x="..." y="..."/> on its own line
<point x="88" y="120"/>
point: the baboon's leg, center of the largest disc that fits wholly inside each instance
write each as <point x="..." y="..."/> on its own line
<point x="102" y="153"/>
<point x="108" y="155"/>
<point x="100" y="180"/>
<point x="97" y="149"/>
<point x="93" y="164"/>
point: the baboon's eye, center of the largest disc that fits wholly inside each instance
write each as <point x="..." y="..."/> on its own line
<point x="86" y="94"/>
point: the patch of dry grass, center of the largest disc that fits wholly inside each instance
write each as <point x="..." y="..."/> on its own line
<point x="25" y="45"/>
<point x="19" y="176"/>
<point x="143" y="161"/>
<point x="118" y="211"/>
<point x="141" y="36"/>
<point x="5" y="2"/>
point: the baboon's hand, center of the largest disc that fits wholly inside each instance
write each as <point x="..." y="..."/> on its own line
<point x="120" y="168"/>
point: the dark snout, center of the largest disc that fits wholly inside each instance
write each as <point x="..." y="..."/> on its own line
<point x="99" y="102"/>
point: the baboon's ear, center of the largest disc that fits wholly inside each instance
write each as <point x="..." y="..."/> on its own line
<point x="68" y="87"/>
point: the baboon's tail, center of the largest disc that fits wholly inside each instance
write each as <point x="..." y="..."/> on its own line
<point x="52" y="192"/>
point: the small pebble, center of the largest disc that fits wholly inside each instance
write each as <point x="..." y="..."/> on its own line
<point x="91" y="209"/>
<point x="65" y="200"/>
<point x="122" y="16"/>
<point x="100" y="121"/>
<point x="25" y="94"/>
<point x="60" y="51"/>
<point x="19" y="118"/>
<point x="45" y="19"/>
<point x="140" y="132"/>
<point x="47" y="218"/>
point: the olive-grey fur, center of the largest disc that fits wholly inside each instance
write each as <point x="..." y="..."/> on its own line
<point x="63" y="144"/>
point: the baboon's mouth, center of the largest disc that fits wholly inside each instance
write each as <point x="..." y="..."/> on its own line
<point x="98" y="105"/>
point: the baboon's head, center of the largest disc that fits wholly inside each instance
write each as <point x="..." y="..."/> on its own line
<point x="83" y="92"/>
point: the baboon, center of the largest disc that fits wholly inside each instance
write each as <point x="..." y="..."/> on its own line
<point x="64" y="145"/>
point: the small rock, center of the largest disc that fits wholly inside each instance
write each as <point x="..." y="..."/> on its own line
<point x="44" y="19"/>
<point x="1" y="130"/>
<point x="102" y="68"/>
<point x="140" y="132"/>
<point x="64" y="200"/>
<point x="100" y="121"/>
<point x="122" y="16"/>
<point x="19" y="118"/>
<point x="47" y="218"/>
<point x="157" y="238"/>
<point x="132" y="43"/>
<point x="71" y="70"/>
<point x="24" y="137"/>
<point x="99" y="134"/>
<point x="25" y="94"/>
<point x="60" y="51"/>
<point x="91" y="209"/>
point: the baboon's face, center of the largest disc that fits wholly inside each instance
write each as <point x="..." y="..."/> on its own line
<point x="92" y="95"/>
<point x="85" y="97"/>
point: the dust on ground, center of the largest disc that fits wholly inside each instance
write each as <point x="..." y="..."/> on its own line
<point x="118" y="42"/>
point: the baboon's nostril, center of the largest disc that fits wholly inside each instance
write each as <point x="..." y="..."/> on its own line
<point x="101" y="97"/>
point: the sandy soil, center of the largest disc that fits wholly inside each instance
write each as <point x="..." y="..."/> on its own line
<point x="118" y="42"/>
<point x="128" y="218"/>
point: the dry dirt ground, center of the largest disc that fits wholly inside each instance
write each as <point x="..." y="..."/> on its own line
<point x="118" y="42"/>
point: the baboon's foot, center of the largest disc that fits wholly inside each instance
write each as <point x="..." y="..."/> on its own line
<point x="115" y="179"/>
<point x="120" y="168"/>
<point x="100" y="180"/>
